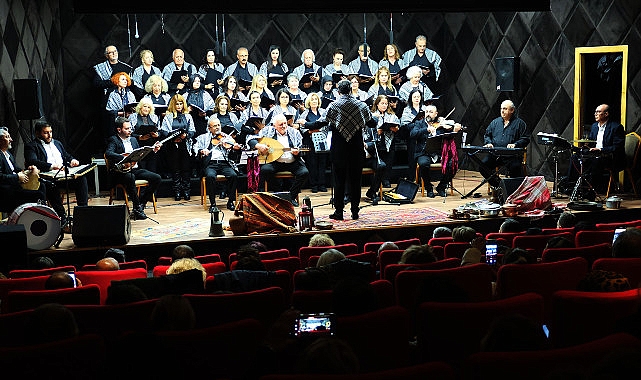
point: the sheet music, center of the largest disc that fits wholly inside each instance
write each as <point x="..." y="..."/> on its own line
<point x="75" y="172"/>
<point x="321" y="143"/>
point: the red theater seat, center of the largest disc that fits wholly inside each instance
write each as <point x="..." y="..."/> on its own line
<point x="630" y="267"/>
<point x="23" y="273"/>
<point x="590" y="253"/>
<point x="18" y="300"/>
<point x="304" y="253"/>
<point x="393" y="269"/>
<point x="537" y="242"/>
<point x="27" y="283"/>
<point x="588" y="238"/>
<point x="433" y="370"/>
<point x="104" y="278"/>
<point x="126" y="265"/>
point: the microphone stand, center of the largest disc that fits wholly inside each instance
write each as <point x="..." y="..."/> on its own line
<point x="69" y="220"/>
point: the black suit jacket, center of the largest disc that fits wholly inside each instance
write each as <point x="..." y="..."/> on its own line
<point x="613" y="141"/>
<point x="8" y="176"/>
<point x="115" y="149"/>
<point x="35" y="154"/>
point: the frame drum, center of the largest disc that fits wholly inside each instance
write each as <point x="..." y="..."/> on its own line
<point x="41" y="223"/>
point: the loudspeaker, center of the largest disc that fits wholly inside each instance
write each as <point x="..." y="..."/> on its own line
<point x="14" y="247"/>
<point x="100" y="225"/>
<point x="507" y="73"/>
<point x="28" y="98"/>
<point x="509" y="186"/>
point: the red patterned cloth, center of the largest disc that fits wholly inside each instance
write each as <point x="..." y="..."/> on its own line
<point x="449" y="152"/>
<point x="253" y="171"/>
<point x="532" y="194"/>
<point x="266" y="213"/>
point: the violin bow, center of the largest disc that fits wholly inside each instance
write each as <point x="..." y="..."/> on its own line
<point x="448" y="115"/>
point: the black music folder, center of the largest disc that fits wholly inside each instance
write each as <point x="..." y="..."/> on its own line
<point x="230" y="130"/>
<point x="251" y="122"/>
<point x="145" y="129"/>
<point x="233" y="102"/>
<point x="307" y="78"/>
<point x="266" y="102"/>
<point x="337" y="77"/>
<point x="297" y="103"/>
<point x="136" y="155"/>
<point x="160" y="109"/>
<point x="130" y="107"/>
<point x="195" y="108"/>
<point x="273" y="77"/>
<point x="244" y="83"/>
<point x="386" y="126"/>
<point x="325" y="102"/>
<point x="176" y="76"/>
<point x="419" y="116"/>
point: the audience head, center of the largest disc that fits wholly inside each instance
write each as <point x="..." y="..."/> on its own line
<point x="534" y="231"/>
<point x="559" y="242"/>
<point x="185" y="264"/>
<point x="566" y="220"/>
<point x="471" y="256"/>
<point x="173" y="312"/>
<point x="321" y="240"/>
<point x="124" y="293"/>
<point x="463" y="234"/>
<point x="442" y="231"/>
<point x="260" y="246"/>
<point x="511" y="225"/>
<point x="598" y="280"/>
<point x="386" y="246"/>
<point x="514" y="332"/>
<point x="59" y="280"/>
<point x="628" y="244"/>
<point x="248" y="250"/>
<point x="515" y="256"/>
<point x="182" y="251"/>
<point x="51" y="322"/>
<point x="353" y="296"/>
<point x="42" y="262"/>
<point x="107" y="263"/>
<point x="584" y="225"/>
<point x="117" y="254"/>
<point x="330" y="256"/>
<point x="249" y="263"/>
<point x="328" y="355"/>
<point x="418" y="254"/>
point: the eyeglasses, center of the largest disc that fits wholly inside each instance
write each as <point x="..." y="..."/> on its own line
<point x="112" y="52"/>
<point x="597" y="112"/>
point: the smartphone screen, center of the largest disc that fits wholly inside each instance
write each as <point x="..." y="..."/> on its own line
<point x="73" y="276"/>
<point x="616" y="233"/>
<point x="491" y="248"/>
<point x="546" y="331"/>
<point x="317" y="323"/>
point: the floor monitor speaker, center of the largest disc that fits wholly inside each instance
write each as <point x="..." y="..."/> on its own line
<point x="14" y="247"/>
<point x="101" y="226"/>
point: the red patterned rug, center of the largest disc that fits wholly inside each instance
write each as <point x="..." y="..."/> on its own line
<point x="371" y="218"/>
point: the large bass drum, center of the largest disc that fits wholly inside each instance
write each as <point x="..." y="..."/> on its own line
<point x="41" y="223"/>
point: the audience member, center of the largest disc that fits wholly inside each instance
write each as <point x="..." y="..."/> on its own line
<point x="442" y="231"/>
<point x="250" y="263"/>
<point x="182" y="251"/>
<point x="566" y="220"/>
<point x="248" y="250"/>
<point x="42" y="262"/>
<point x="559" y="242"/>
<point x="473" y="254"/>
<point x="534" y="231"/>
<point x="353" y="296"/>
<point x="107" y="263"/>
<point x="50" y="322"/>
<point x="584" y="225"/>
<point x="117" y="254"/>
<point x="330" y="256"/>
<point x="124" y="293"/>
<point x="321" y="240"/>
<point x="185" y="264"/>
<point x="514" y="332"/>
<point x="61" y="280"/>
<point x="463" y="234"/>
<point x="598" y="280"/>
<point x="511" y="225"/>
<point x="328" y="355"/>
<point x="515" y="256"/>
<point x="628" y="244"/>
<point x="386" y="246"/>
<point x="418" y="254"/>
<point x="261" y="247"/>
<point x="173" y="312"/>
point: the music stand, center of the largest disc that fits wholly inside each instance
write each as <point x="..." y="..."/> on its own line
<point x="68" y="221"/>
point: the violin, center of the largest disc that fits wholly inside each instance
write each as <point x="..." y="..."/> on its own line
<point x="227" y="141"/>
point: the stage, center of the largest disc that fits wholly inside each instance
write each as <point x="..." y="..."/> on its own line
<point x="188" y="222"/>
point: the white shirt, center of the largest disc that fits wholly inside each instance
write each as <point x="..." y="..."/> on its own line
<point x="54" y="157"/>
<point x="6" y="156"/>
<point x="287" y="156"/>
<point x="599" y="136"/>
<point x="128" y="148"/>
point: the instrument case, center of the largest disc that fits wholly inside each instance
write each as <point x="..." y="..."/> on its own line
<point x="404" y="193"/>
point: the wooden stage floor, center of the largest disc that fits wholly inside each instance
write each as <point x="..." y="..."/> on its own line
<point x="187" y="222"/>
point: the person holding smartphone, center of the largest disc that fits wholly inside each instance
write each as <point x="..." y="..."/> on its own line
<point x="473" y="254"/>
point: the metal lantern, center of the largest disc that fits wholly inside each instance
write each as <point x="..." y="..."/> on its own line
<point x="305" y="219"/>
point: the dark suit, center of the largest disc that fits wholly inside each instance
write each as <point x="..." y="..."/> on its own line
<point x="12" y="194"/>
<point x="612" y="155"/>
<point x="114" y="153"/>
<point x="35" y="154"/>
